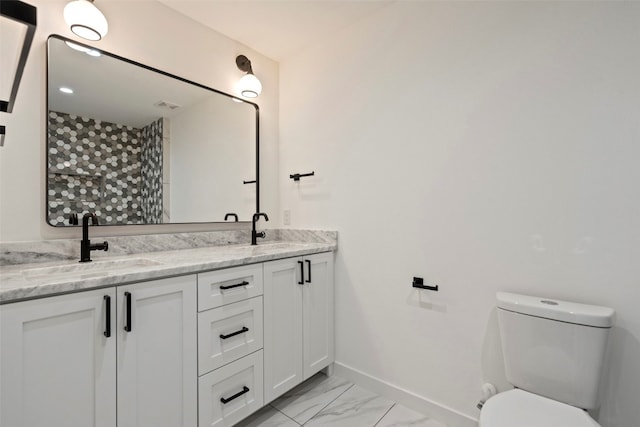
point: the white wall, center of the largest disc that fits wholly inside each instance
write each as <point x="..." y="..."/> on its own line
<point x="152" y="34"/>
<point x="484" y="146"/>
<point x="212" y="135"/>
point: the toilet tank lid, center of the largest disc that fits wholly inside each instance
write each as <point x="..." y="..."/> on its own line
<point x="554" y="309"/>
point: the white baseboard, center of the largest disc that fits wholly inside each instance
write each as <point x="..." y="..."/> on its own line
<point x="448" y="416"/>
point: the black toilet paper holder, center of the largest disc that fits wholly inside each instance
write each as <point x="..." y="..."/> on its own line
<point x="418" y="282"/>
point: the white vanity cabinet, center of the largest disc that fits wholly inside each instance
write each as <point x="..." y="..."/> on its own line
<point x="56" y="364"/>
<point x="67" y="360"/>
<point x="298" y="320"/>
<point x="205" y="349"/>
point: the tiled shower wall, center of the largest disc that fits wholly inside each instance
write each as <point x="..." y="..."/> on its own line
<point x="166" y="172"/>
<point x="97" y="166"/>
<point x="151" y="172"/>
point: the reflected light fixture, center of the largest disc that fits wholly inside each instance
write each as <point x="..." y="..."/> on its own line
<point x="85" y="20"/>
<point x="249" y="85"/>
<point x="80" y="48"/>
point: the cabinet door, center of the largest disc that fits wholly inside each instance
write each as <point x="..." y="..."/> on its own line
<point x="157" y="359"/>
<point x="56" y="364"/>
<point x="282" y="326"/>
<point x="317" y="313"/>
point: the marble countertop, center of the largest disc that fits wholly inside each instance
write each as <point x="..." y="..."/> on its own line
<point x="27" y="281"/>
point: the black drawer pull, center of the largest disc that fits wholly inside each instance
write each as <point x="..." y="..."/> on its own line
<point x="233" y="334"/>
<point x="225" y="287"/>
<point x="301" y="282"/>
<point x="107" y="316"/>
<point x="308" y="265"/>
<point x="127" y="300"/>
<point x="245" y="389"/>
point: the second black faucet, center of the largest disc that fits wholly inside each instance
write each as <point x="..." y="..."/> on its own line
<point x="254" y="233"/>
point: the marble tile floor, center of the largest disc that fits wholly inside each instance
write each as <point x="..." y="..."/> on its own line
<point x="336" y="402"/>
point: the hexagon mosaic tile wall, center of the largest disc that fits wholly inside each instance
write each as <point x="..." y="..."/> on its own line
<point x="101" y="167"/>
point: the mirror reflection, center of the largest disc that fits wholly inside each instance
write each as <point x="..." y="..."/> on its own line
<point x="136" y="145"/>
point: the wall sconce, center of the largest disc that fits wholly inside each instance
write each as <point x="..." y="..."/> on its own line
<point x="85" y="20"/>
<point x="15" y="40"/>
<point x="249" y="85"/>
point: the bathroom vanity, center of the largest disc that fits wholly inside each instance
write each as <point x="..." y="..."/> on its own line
<point x="189" y="329"/>
<point x="200" y="336"/>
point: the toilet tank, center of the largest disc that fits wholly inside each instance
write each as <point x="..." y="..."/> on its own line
<point x="554" y="348"/>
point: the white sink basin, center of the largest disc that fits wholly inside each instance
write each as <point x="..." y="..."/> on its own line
<point x="87" y="270"/>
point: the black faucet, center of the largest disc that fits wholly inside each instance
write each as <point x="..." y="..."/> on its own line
<point x="254" y="234"/>
<point x="73" y="219"/>
<point x="85" y="245"/>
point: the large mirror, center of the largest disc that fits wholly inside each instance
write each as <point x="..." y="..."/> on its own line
<point x="136" y="145"/>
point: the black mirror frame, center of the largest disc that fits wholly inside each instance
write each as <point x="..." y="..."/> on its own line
<point x="147" y="67"/>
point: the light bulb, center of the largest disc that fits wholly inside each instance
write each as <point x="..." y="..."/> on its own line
<point x="85" y="20"/>
<point x="249" y="86"/>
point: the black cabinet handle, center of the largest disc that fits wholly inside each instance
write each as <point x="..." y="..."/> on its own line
<point x="243" y="283"/>
<point x="245" y="389"/>
<point x="233" y="334"/>
<point x="309" y="269"/>
<point x="301" y="264"/>
<point x="107" y="316"/>
<point x="127" y="324"/>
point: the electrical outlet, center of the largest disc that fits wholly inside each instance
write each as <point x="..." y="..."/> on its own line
<point x="286" y="218"/>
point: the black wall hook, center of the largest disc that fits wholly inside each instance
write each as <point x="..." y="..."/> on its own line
<point x="297" y="176"/>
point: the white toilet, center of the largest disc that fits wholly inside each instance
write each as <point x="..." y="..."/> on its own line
<point x="553" y="353"/>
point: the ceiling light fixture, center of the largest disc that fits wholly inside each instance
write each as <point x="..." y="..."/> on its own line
<point x="85" y="20"/>
<point x="249" y="86"/>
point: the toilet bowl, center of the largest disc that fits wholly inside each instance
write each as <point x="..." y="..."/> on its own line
<point x="519" y="408"/>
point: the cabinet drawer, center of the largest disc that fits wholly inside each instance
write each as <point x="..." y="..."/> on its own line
<point x="230" y="393"/>
<point x="229" y="332"/>
<point x="220" y="287"/>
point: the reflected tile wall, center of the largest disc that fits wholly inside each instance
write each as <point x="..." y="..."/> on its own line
<point x="113" y="170"/>
<point x="151" y="161"/>
<point x="166" y="171"/>
<point x="93" y="166"/>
